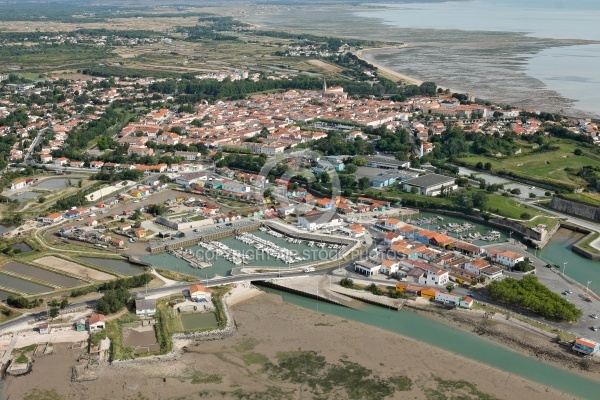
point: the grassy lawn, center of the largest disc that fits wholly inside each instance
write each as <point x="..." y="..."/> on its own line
<point x="507" y="207"/>
<point x="548" y="166"/>
<point x="587" y="243"/>
<point x="497" y="204"/>
<point x="395" y="193"/>
<point x="7" y="314"/>
<point x="548" y="221"/>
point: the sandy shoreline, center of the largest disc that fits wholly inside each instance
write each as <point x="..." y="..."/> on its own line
<point x="233" y="367"/>
<point x="365" y="53"/>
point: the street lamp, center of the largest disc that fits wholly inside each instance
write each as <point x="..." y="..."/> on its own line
<point x="565" y="266"/>
<point x="510" y="237"/>
<point x="587" y="287"/>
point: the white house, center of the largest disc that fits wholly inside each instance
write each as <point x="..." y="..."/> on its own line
<point x="198" y="292"/>
<point x="44" y="329"/>
<point x="18" y="184"/>
<point x="491" y="272"/>
<point x="145" y="307"/>
<point x="52" y="218"/>
<point x="476" y="266"/>
<point x="448" y="298"/>
<point x="320" y="220"/>
<point x="506" y="258"/>
<point x="466" y="302"/>
<point x="61" y="161"/>
<point x="389" y="267"/>
<point x="96" y="323"/>
<point x="392" y="223"/>
<point x="367" y="267"/>
<point x="434" y="276"/>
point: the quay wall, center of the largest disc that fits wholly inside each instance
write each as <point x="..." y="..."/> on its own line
<point x="575" y="208"/>
<point x="178" y="243"/>
<point x="273" y="285"/>
<point x="576" y="247"/>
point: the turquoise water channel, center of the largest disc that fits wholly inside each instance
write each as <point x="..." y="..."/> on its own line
<point x="425" y="330"/>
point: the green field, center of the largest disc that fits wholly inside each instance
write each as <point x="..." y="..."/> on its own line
<point x="504" y="206"/>
<point x="546" y="167"/>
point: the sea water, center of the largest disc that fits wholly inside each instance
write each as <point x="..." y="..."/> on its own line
<point x="572" y="72"/>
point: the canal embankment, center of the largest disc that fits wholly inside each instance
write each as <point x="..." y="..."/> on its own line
<point x="513" y="333"/>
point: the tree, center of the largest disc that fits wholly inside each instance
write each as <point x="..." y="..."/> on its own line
<point x="361" y="162"/>
<point x="113" y="300"/>
<point x="531" y="295"/>
<point x="450" y="288"/>
<point x="350" y="168"/>
<point x="347" y="283"/>
<point x="363" y="183"/>
<point x="479" y="165"/>
<point x="54" y="312"/>
<point x="578" y="152"/>
<point x="80" y="183"/>
<point x="64" y="303"/>
<point x="525" y="216"/>
<point x="523" y="266"/>
<point x="480" y="200"/>
<point x="156" y="209"/>
<point x="487" y="166"/>
<point x="532" y="195"/>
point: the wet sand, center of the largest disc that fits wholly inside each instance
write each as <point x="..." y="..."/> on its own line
<point x="232" y="367"/>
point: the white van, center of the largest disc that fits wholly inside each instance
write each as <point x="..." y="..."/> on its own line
<point x="309" y="269"/>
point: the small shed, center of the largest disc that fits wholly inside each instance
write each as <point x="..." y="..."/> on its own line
<point x="44" y="329"/>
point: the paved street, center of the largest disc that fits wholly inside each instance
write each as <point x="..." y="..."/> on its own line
<point x="558" y="283"/>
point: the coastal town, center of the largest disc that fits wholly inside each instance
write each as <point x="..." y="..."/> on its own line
<point x="143" y="217"/>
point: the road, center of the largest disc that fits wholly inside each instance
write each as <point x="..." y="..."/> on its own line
<point x="33" y="144"/>
<point x="568" y="218"/>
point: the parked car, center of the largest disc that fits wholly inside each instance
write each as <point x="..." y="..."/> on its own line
<point x="594" y="316"/>
<point x="594" y="328"/>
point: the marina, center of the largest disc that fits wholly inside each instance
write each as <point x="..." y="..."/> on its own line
<point x="233" y="256"/>
<point x="460" y="229"/>
<point x="221" y="266"/>
<point x="188" y="256"/>
<point x="278" y="252"/>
